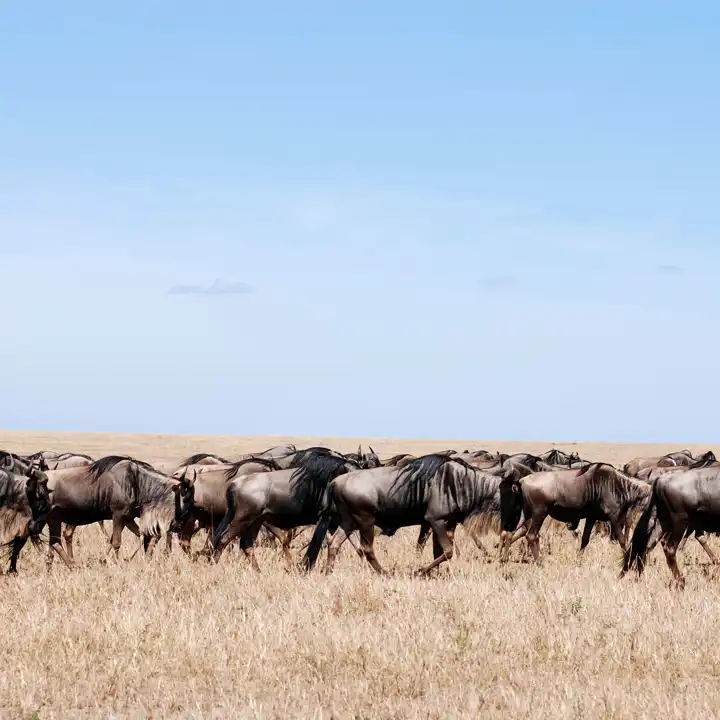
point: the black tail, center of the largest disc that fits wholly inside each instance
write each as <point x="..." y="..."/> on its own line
<point x="227" y="518"/>
<point x="635" y="556"/>
<point x="316" y="542"/>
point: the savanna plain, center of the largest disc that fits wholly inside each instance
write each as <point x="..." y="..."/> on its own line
<point x="168" y="637"/>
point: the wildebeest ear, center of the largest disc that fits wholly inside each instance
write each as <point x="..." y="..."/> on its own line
<point x="516" y="487"/>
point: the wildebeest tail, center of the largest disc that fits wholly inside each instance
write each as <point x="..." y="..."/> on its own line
<point x="318" y="538"/>
<point x="227" y="518"/>
<point x="635" y="556"/>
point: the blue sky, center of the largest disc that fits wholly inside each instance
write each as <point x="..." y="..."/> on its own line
<point x="399" y="219"/>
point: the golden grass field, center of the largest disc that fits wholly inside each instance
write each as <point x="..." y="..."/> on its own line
<point x="168" y="638"/>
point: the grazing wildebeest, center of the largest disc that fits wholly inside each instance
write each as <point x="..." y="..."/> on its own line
<point x="437" y="490"/>
<point x="683" y="502"/>
<point x="24" y="507"/>
<point x="286" y="499"/>
<point x="595" y="492"/>
<point x="117" y="488"/>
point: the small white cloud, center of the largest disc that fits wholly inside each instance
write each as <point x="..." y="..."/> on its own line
<point x="218" y="287"/>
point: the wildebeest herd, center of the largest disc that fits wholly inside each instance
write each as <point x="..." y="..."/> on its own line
<point x="284" y="490"/>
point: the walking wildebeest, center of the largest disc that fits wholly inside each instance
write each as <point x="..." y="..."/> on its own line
<point x="437" y="490"/>
<point x="684" y="502"/>
<point x="284" y="498"/>
<point x="24" y="507"/>
<point x="117" y="488"/>
<point x="486" y="516"/>
<point x="201" y="500"/>
<point x="595" y="492"/>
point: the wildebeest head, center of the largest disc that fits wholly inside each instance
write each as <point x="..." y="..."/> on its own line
<point x="370" y="459"/>
<point x="511" y="499"/>
<point x="38" y="497"/>
<point x="184" y="501"/>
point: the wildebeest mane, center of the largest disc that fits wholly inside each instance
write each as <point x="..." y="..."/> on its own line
<point x="301" y="456"/>
<point x="269" y="463"/>
<point x="412" y="483"/>
<point x="199" y="457"/>
<point x="625" y="487"/>
<point x="396" y="458"/>
<point x="107" y="463"/>
<point x="14" y="509"/>
<point x="68" y="455"/>
<point x="154" y="497"/>
<point x="317" y="470"/>
<point x="49" y="454"/>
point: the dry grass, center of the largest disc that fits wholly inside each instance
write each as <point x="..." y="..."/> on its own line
<point x="167" y="638"/>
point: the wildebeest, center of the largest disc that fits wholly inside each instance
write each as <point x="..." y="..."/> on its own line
<point x="69" y="460"/>
<point x="562" y="459"/>
<point x="437" y="490"/>
<point x="679" y="458"/>
<point x="684" y="502"/>
<point x="595" y="492"/>
<point x="286" y="499"/>
<point x="486" y="513"/>
<point x="117" y="488"/>
<point x="24" y="507"/>
<point x="201" y="500"/>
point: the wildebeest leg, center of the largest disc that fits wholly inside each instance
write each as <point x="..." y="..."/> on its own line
<point x="287" y="541"/>
<point x="617" y="528"/>
<point x="247" y="541"/>
<point x="533" y="535"/>
<point x="342" y="534"/>
<point x="131" y="525"/>
<point x="423" y="536"/>
<point x="474" y="532"/>
<point x="68" y="533"/>
<point x="285" y="537"/>
<point x="55" y="528"/>
<point x="587" y="531"/>
<point x="168" y="543"/>
<point x="366" y="527"/>
<point x="700" y="537"/>
<point x="670" y="547"/>
<point x="442" y="537"/>
<point x="116" y="539"/>
<point x="507" y="539"/>
<point x="18" y="545"/>
<point x="104" y="531"/>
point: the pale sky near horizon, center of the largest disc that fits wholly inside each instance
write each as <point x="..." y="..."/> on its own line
<point x="490" y="220"/>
